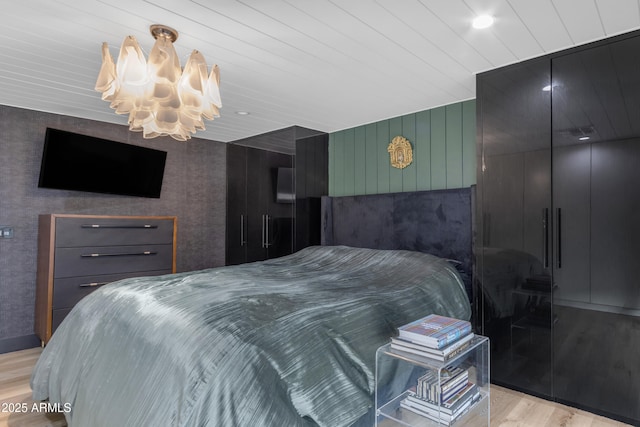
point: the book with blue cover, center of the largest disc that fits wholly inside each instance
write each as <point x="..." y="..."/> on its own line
<point x="435" y="331"/>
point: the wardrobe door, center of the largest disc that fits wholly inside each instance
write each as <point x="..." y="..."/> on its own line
<point x="311" y="183"/>
<point x="514" y="198"/>
<point x="259" y="182"/>
<point x="236" y="252"/>
<point x="279" y="213"/>
<point x="269" y="221"/>
<point x="571" y="220"/>
<point x="596" y="153"/>
<point x="615" y="270"/>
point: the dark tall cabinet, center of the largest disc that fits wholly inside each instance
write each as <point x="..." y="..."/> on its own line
<point x="558" y="237"/>
<point x="514" y="198"/>
<point x="311" y="183"/>
<point x="273" y="198"/>
<point x="259" y="227"/>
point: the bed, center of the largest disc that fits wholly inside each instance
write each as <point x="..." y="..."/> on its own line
<point x="437" y="222"/>
<point x="285" y="342"/>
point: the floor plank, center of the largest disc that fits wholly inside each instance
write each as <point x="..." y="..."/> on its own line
<point x="16" y="405"/>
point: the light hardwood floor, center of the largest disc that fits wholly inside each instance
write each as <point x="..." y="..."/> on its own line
<point x="15" y="392"/>
<point x="508" y="408"/>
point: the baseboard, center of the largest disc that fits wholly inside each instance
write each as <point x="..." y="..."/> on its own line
<point x="597" y="307"/>
<point x="8" y="345"/>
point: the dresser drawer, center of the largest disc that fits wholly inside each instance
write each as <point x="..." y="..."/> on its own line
<point x="75" y="232"/>
<point x="94" y="261"/>
<point x="78" y="253"/>
<point x="68" y="291"/>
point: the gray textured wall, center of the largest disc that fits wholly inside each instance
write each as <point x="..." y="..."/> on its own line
<point x="194" y="190"/>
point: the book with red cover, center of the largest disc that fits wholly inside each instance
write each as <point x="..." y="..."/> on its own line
<point x="435" y="331"/>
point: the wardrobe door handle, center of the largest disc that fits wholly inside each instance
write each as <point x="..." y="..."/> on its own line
<point x="266" y="239"/>
<point x="243" y="241"/>
<point x="559" y="228"/>
<point x="263" y="229"/>
<point x="545" y="237"/>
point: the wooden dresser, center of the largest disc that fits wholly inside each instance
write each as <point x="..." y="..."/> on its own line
<point x="79" y="253"/>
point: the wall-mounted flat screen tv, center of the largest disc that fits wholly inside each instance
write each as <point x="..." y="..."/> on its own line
<point x="71" y="161"/>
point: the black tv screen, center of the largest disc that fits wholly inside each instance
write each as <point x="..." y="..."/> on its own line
<point x="71" y="161"/>
<point x="284" y="186"/>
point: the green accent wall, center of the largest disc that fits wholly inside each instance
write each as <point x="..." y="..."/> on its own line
<point x="444" y="153"/>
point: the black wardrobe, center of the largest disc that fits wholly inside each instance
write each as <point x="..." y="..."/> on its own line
<point x="273" y="197"/>
<point x="259" y="226"/>
<point x="558" y="236"/>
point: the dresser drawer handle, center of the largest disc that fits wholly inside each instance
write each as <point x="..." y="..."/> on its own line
<point x="119" y="254"/>
<point x="93" y="285"/>
<point x="117" y="226"/>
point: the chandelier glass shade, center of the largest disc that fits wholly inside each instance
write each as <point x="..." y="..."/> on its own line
<point x="160" y="98"/>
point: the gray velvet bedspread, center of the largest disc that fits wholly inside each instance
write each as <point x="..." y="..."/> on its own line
<point x="285" y="342"/>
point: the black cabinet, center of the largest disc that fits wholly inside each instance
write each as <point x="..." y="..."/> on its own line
<point x="514" y="201"/>
<point x="258" y="225"/>
<point x="273" y="198"/>
<point x="311" y="183"/>
<point x="559" y="145"/>
<point x="236" y="236"/>
<point x="596" y="200"/>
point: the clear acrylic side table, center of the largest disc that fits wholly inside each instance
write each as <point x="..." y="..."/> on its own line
<point x="398" y="372"/>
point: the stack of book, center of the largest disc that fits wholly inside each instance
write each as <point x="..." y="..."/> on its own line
<point x="436" y="337"/>
<point x="442" y="394"/>
<point x="449" y="410"/>
<point x="452" y="380"/>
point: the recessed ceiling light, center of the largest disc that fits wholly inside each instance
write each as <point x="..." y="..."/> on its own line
<point x="242" y="113"/>
<point x="483" y="21"/>
<point x="584" y="138"/>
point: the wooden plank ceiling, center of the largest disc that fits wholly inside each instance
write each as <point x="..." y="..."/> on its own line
<point x="320" y="64"/>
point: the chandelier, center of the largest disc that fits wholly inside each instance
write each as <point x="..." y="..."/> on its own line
<point x="160" y="98"/>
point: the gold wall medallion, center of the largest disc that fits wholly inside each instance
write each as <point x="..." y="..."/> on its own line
<point x="400" y="152"/>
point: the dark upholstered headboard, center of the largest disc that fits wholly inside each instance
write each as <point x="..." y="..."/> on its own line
<point x="438" y="222"/>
